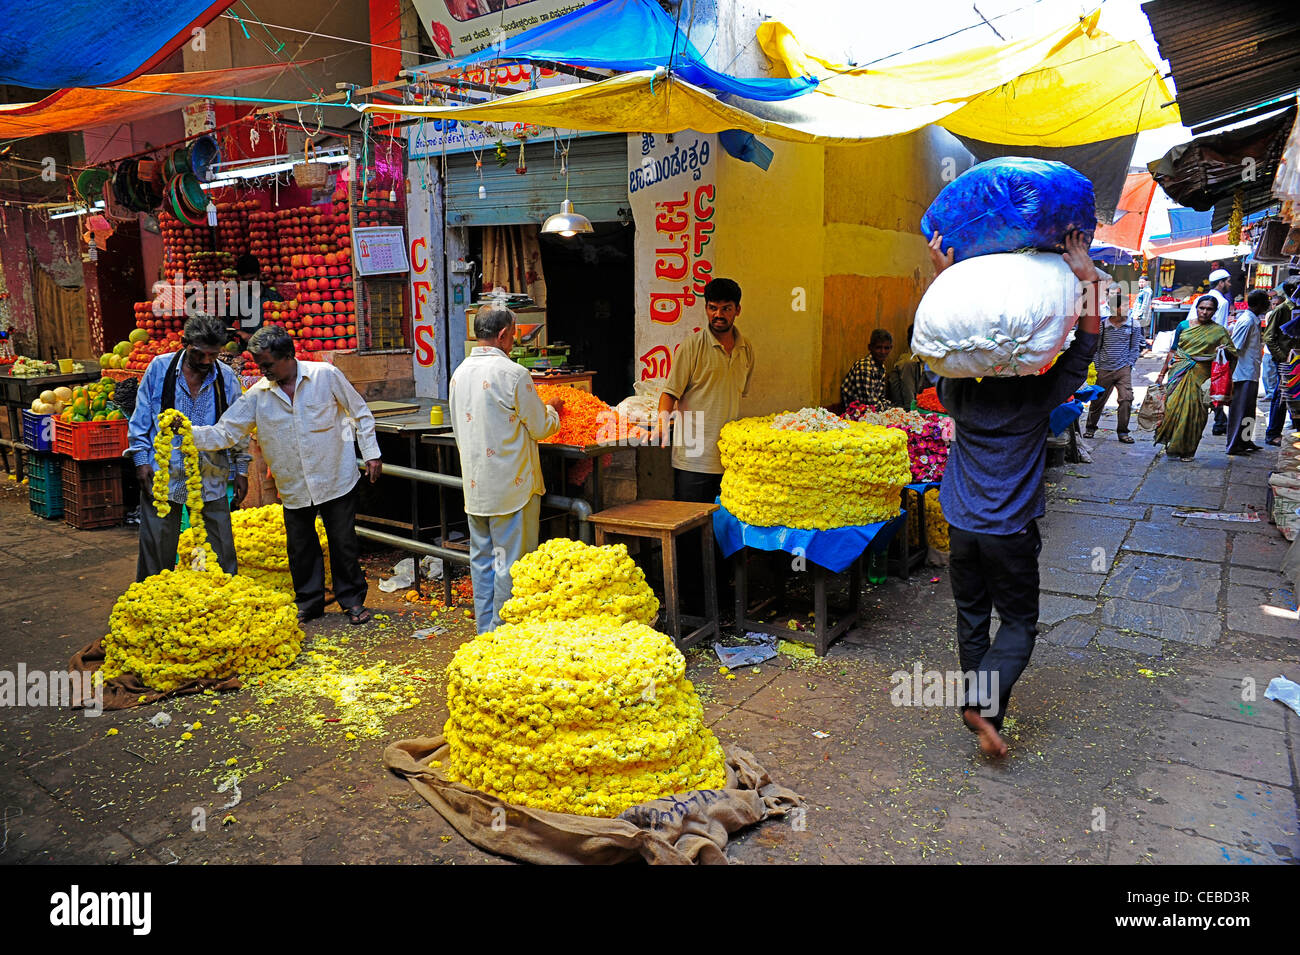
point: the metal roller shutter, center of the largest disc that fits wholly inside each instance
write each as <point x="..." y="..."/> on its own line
<point x="597" y="183"/>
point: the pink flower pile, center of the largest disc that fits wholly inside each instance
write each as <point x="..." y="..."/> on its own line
<point x="928" y="436"/>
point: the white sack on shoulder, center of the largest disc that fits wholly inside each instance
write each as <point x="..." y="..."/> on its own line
<point x="997" y="315"/>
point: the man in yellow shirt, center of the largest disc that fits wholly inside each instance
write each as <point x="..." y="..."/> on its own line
<point x="710" y="374"/>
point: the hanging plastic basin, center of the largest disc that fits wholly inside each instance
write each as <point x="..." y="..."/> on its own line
<point x="178" y="206"/>
<point x="90" y="183"/>
<point x="190" y="191"/>
<point x="204" y="155"/>
<point x="176" y="163"/>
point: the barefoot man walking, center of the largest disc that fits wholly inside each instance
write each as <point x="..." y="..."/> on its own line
<point x="992" y="496"/>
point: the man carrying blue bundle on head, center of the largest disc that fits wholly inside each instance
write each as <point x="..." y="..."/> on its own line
<point x="992" y="497"/>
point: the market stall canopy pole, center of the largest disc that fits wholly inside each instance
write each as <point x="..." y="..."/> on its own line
<point x="1069" y="86"/>
<point x="626" y="36"/>
<point x="76" y="109"/>
<point x="52" y="44"/>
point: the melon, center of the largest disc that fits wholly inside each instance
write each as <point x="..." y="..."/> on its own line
<point x="138" y="335"/>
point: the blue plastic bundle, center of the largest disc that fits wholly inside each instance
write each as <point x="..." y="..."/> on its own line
<point x="1011" y="203"/>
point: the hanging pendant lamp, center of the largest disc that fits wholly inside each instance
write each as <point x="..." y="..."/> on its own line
<point x="566" y="222"/>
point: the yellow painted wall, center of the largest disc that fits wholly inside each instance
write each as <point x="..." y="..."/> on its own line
<point x="769" y="238"/>
<point x="843" y="224"/>
<point x="875" y="265"/>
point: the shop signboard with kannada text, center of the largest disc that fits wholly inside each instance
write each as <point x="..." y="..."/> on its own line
<point x="433" y="137"/>
<point x="379" y="250"/>
<point x="672" y="187"/>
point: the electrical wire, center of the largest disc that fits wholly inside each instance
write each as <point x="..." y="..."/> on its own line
<point x="328" y="36"/>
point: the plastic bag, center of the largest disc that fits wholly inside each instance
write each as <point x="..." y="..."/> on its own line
<point x="997" y="315"/>
<point x="1152" y="410"/>
<point x="1220" y="377"/>
<point x="1284" y="691"/>
<point x="404" y="573"/>
<point x="1011" y="203"/>
<point x="642" y="407"/>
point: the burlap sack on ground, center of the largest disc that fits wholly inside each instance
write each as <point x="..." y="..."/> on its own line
<point x="126" y="691"/>
<point x="677" y="830"/>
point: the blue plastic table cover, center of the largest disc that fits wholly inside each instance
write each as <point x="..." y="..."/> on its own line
<point x="835" y="549"/>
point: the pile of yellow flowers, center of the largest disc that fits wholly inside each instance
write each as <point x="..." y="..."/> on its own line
<point x="936" y="525"/>
<point x="579" y="716"/>
<point x="184" y="625"/>
<point x="196" y="622"/>
<point x="260" y="545"/>
<point x="567" y="579"/>
<point x="812" y="479"/>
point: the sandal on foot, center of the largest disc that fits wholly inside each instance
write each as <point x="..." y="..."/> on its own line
<point x="1090" y="434"/>
<point x="1125" y="439"/>
<point x="304" y="616"/>
<point x="358" y="615"/>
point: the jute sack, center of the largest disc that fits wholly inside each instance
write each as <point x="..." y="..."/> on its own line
<point x="676" y="830"/>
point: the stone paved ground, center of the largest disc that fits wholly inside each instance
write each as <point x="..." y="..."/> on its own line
<point x="1131" y="740"/>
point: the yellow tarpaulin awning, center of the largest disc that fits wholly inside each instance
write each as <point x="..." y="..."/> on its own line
<point x="74" y="109"/>
<point x="1072" y="86"/>
<point x="1066" y="87"/>
<point x="643" y="102"/>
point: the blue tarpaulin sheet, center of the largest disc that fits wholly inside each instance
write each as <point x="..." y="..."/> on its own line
<point x="625" y="36"/>
<point x="56" y="44"/>
<point x="835" y="549"/>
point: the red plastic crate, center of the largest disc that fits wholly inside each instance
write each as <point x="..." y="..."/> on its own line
<point x="92" y="494"/>
<point x="90" y="440"/>
<point x="37" y="431"/>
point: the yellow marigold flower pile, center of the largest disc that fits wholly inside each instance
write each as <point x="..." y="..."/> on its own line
<point x="588" y="717"/>
<point x="196" y="622"/>
<point x="839" y="477"/>
<point x="936" y="525"/>
<point x="261" y="547"/>
<point x="183" y="625"/>
<point x="567" y="579"/>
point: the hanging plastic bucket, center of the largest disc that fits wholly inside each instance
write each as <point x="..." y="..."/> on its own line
<point x="204" y="156"/>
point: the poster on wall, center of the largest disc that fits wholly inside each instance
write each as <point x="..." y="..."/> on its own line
<point x="458" y="27"/>
<point x="379" y="250"/>
<point x="672" y="186"/>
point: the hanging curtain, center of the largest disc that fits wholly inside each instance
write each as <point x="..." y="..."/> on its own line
<point x="512" y="261"/>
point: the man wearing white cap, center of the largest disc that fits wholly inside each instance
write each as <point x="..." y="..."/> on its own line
<point x="1221" y="289"/>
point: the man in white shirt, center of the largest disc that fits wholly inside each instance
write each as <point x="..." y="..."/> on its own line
<point x="1246" y="338"/>
<point x="498" y="418"/>
<point x="1221" y="289"/>
<point x="309" y="420"/>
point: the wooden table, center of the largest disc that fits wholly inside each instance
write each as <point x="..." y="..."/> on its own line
<point x="665" y="521"/>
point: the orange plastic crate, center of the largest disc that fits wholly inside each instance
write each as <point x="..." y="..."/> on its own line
<point x="90" y="440"/>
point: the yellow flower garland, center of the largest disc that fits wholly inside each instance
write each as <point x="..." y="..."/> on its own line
<point x="586" y="716"/>
<point x="812" y="479"/>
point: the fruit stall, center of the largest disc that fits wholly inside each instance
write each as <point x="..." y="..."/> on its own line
<point x="22" y="383"/>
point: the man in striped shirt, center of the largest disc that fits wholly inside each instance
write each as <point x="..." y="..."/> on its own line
<point x="1120" y="347"/>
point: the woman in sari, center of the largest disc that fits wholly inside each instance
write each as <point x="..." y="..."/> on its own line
<point x="1190" y="356"/>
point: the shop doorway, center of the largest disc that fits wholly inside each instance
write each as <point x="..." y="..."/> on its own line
<point x="590" y="304"/>
<point x="120" y="270"/>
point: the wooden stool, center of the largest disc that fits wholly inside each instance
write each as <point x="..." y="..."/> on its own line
<point x="664" y="521"/>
